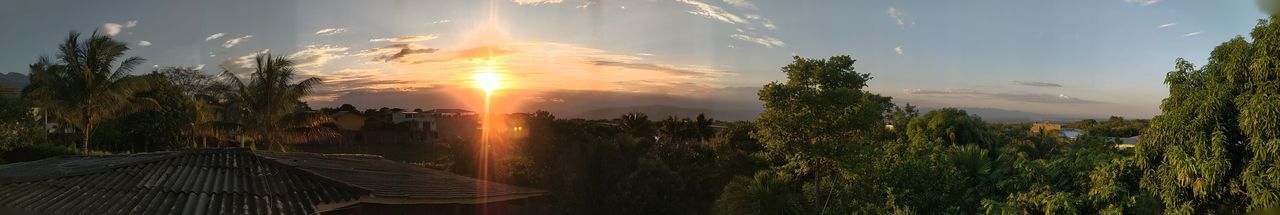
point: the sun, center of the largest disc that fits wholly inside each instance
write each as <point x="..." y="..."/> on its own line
<point x="487" y="79"/>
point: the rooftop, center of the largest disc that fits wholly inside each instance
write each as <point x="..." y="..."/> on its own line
<point x="233" y="180"/>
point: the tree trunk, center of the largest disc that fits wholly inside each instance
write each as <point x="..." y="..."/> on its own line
<point x="87" y="128"/>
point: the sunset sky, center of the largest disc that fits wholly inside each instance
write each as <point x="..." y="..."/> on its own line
<point x="1076" y="58"/>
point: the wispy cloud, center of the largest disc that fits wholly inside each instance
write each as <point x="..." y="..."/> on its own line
<point x="764" y="22"/>
<point x="896" y="15"/>
<point x="536" y="2"/>
<point x="713" y="12"/>
<point x="241" y="64"/>
<point x="315" y="56"/>
<point x="1142" y="2"/>
<point x="395" y="52"/>
<point x="645" y="66"/>
<point x="236" y="41"/>
<point x="1035" y="83"/>
<point x="405" y="39"/>
<point x="898" y="49"/>
<point x="331" y="31"/>
<point x="1007" y="96"/>
<point x="144" y="43"/>
<point x="1166" y="25"/>
<point x="741" y="4"/>
<point x="111" y="29"/>
<point x="214" y="36"/>
<point x="441" y="21"/>
<point x="765" y="41"/>
<point x="574" y="68"/>
<point x="1191" y="34"/>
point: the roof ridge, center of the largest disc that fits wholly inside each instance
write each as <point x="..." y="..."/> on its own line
<point x="275" y="161"/>
<point x="62" y="173"/>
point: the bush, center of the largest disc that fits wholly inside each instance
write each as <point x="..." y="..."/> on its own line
<point x="42" y="151"/>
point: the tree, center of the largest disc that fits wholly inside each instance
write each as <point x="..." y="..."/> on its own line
<point x="1215" y="147"/>
<point x="951" y="126"/>
<point x="195" y="109"/>
<point x="766" y="193"/>
<point x="820" y="114"/>
<point x="89" y="83"/>
<point x="347" y="107"/>
<point x="638" y="125"/>
<point x="189" y="80"/>
<point x="18" y="127"/>
<point x="266" y="110"/>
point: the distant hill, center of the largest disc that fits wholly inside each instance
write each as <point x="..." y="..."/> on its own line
<point x="1002" y="115"/>
<point x="14" y="80"/>
<point x="660" y="112"/>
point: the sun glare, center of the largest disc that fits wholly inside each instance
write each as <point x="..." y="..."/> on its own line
<point x="487" y="80"/>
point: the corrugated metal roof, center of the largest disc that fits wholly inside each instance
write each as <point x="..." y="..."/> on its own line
<point x="222" y="181"/>
<point x="385" y="178"/>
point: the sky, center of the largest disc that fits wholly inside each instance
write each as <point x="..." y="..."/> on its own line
<point x="1072" y="58"/>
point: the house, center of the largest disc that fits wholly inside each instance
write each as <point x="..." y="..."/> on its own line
<point x="451" y="112"/>
<point x="348" y="120"/>
<point x="241" y="181"/>
<point x="1045" y="127"/>
<point x="1069" y="133"/>
<point x="1129" y="142"/>
<point x="416" y="120"/>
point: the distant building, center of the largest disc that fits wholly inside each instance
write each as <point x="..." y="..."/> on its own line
<point x="416" y="120"/>
<point x="1129" y="142"/>
<point x="241" y="181"/>
<point x="451" y="112"/>
<point x="1045" y="127"/>
<point x="440" y="124"/>
<point x="454" y="124"/>
<point x="1069" y="133"/>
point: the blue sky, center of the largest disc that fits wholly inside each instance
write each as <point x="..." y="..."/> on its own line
<point x="1080" y="58"/>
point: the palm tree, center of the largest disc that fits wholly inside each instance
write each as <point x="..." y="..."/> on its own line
<point x="637" y="124"/>
<point x="766" y="193"/>
<point x="264" y="110"/>
<point x="86" y="85"/>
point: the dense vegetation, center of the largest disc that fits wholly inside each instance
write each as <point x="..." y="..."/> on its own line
<point x="821" y="146"/>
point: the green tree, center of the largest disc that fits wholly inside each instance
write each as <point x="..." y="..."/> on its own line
<point x="950" y="126"/>
<point x="820" y="128"/>
<point x="163" y="128"/>
<point x="1215" y="147"/>
<point x="265" y="109"/>
<point x="18" y="127"/>
<point x="89" y="83"/>
<point x="766" y="193"/>
<point x="820" y="114"/>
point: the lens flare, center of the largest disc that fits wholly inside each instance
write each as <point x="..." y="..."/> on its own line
<point x="487" y="80"/>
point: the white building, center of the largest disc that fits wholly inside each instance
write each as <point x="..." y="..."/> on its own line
<point x="417" y="120"/>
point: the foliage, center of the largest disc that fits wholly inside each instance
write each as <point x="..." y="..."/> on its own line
<point x="1112" y="127"/>
<point x="89" y="83"/>
<point x="820" y="114"/>
<point x="41" y="151"/>
<point x="949" y="126"/>
<point x="18" y="127"/>
<point x="265" y="110"/>
<point x="1214" y="147"/>
<point x="164" y="128"/>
